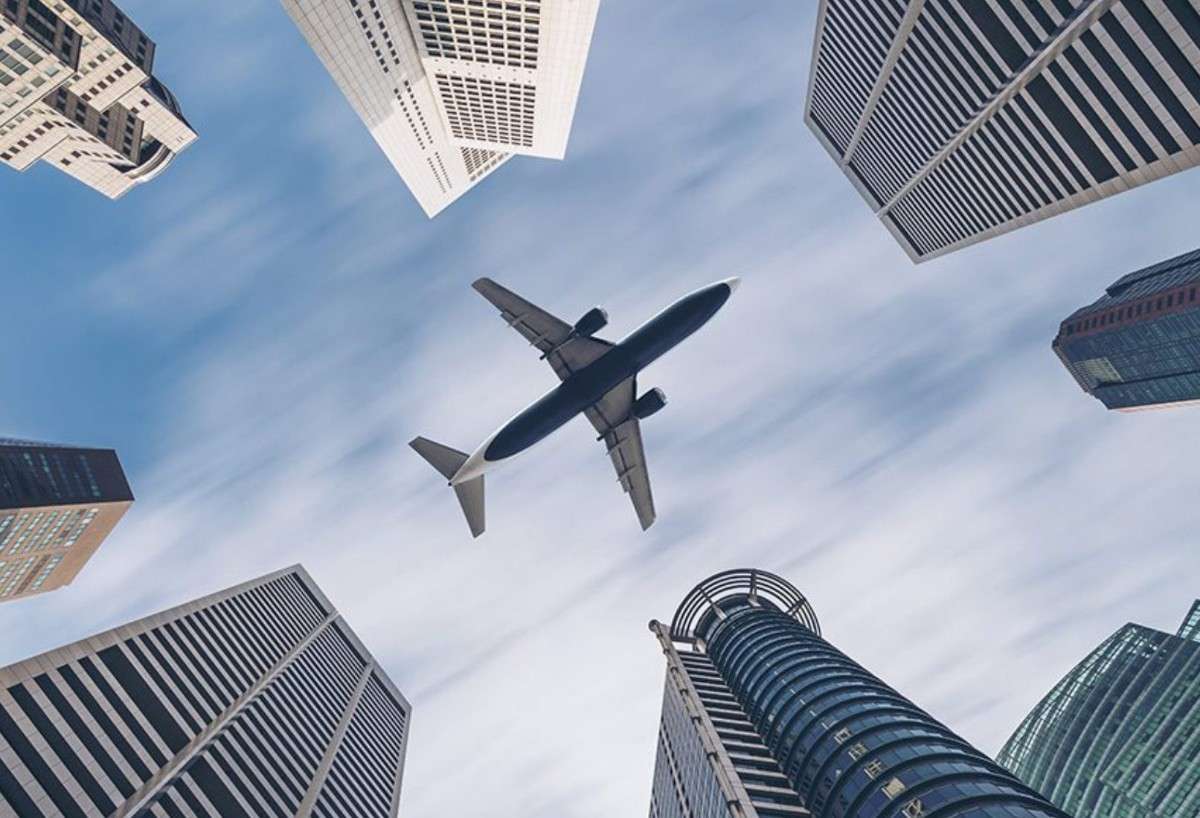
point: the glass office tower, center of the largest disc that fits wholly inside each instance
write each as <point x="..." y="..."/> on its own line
<point x="1119" y="736"/>
<point x="255" y="702"/>
<point x="762" y="718"/>
<point x="1138" y="347"/>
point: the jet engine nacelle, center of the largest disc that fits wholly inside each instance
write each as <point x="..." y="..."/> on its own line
<point x="649" y="403"/>
<point x="592" y="322"/>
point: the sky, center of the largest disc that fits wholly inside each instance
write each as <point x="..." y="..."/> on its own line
<point x="261" y="331"/>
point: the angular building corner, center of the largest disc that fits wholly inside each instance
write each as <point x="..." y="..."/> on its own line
<point x="763" y="718"/>
<point x="958" y="122"/>
<point x="57" y="506"/>
<point x="451" y="89"/>
<point x="1117" y="737"/>
<point x="77" y="91"/>
<point x="1138" y="346"/>
<point x="258" y="700"/>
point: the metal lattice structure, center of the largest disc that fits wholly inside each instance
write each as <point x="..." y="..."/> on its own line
<point x="760" y="587"/>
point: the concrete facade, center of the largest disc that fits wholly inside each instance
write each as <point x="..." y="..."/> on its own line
<point x="57" y="505"/>
<point x="451" y="89"/>
<point x="77" y="92"/>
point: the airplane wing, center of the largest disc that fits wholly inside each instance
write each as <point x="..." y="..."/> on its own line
<point x="551" y="335"/>
<point x="622" y="435"/>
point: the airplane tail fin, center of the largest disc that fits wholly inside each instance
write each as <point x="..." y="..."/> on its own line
<point x="448" y="461"/>
<point x="470" y="497"/>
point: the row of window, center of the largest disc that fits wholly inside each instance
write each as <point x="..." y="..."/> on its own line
<point x="148" y="696"/>
<point x="1134" y="311"/>
<point x="828" y="721"/>
<point x="1118" y="724"/>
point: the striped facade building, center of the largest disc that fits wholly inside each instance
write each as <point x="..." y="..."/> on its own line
<point x="960" y="120"/>
<point x="1118" y="737"/>
<point x="255" y="702"/>
<point x="763" y="718"/>
<point x="57" y="505"/>
<point x="1138" y="346"/>
<point x="452" y="89"/>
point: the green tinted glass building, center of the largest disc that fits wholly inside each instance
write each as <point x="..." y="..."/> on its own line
<point x="1119" y="736"/>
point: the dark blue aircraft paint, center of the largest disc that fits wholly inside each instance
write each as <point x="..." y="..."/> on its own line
<point x="587" y="386"/>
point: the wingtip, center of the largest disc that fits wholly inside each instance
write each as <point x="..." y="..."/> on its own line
<point x="480" y="283"/>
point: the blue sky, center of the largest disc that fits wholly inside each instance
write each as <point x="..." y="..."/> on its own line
<point x="261" y="331"/>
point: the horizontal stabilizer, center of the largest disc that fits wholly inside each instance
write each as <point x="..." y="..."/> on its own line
<point x="446" y="460"/>
<point x="470" y="497"/>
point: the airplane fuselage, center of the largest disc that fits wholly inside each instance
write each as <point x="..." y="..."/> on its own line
<point x="586" y="387"/>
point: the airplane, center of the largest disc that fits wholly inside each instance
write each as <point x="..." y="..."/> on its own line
<point x="599" y="380"/>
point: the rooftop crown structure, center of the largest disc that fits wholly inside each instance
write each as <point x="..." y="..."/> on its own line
<point x="77" y="92"/>
<point x="763" y="718"/>
<point x="450" y="89"/>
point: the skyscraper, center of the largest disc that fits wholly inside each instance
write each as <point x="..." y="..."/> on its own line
<point x="77" y="91"/>
<point x="1138" y="346"/>
<point x="255" y="702"/>
<point x="959" y="120"/>
<point x="762" y="718"/>
<point x="57" y="504"/>
<point x="450" y="89"/>
<point x="1119" y="735"/>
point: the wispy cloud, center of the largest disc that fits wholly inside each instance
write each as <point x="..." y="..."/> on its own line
<point x="899" y="441"/>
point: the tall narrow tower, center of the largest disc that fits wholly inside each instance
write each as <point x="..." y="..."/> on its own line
<point x="762" y="718"/>
<point x="57" y="504"/>
<point x="253" y="702"/>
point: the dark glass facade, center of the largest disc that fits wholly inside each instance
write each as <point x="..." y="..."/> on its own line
<point x="43" y="474"/>
<point x="846" y="744"/>
<point x="1118" y="737"/>
<point x="255" y="702"/>
<point x="1138" y="346"/>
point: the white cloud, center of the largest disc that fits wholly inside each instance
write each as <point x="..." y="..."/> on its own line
<point x="898" y="441"/>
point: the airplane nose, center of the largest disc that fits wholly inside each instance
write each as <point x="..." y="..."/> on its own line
<point x="733" y="284"/>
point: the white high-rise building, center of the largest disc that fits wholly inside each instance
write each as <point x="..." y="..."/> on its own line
<point x="451" y="89"/>
<point x="77" y="91"/>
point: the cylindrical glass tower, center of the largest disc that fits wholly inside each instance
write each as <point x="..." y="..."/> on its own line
<point x="849" y="745"/>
